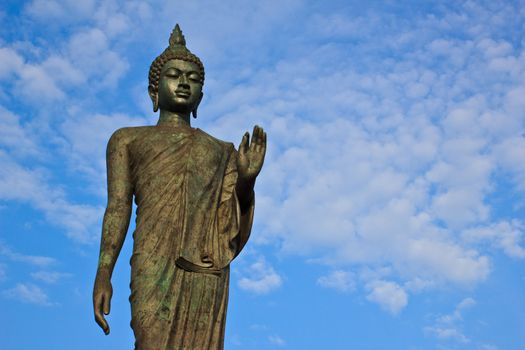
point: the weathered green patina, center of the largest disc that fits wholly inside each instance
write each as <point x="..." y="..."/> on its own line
<point x="195" y="202"/>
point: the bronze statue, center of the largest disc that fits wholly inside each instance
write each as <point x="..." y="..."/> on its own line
<point x="195" y="202"/>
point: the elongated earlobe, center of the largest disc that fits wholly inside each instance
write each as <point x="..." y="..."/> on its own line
<point x="194" y="112"/>
<point x="153" y="94"/>
<point x="155" y="104"/>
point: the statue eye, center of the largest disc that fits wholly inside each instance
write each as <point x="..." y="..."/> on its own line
<point x="194" y="77"/>
<point x="172" y="73"/>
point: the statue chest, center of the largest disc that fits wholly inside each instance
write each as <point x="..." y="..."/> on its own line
<point x="187" y="158"/>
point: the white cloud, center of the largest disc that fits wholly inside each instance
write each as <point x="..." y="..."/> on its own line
<point x="504" y="235"/>
<point x="417" y="285"/>
<point x="340" y="280"/>
<point x="53" y="11"/>
<point x="36" y="260"/>
<point x="10" y="62"/>
<point x="510" y="157"/>
<point x="50" y="276"/>
<point x="488" y="347"/>
<point x="63" y="71"/>
<point x="42" y="8"/>
<point x="235" y="340"/>
<point x="91" y="51"/>
<point x="276" y="340"/>
<point x="377" y="161"/>
<point x="448" y="327"/>
<point x="259" y="278"/>
<point x="38" y="82"/>
<point x="457" y="314"/>
<point x="389" y="295"/>
<point x="28" y="293"/>
<point x="86" y="140"/>
<point x="372" y="161"/>
<point x="37" y="85"/>
<point x="29" y="185"/>
<point x="258" y="327"/>
<point x="87" y="59"/>
<point x="14" y="136"/>
<point x="447" y="334"/>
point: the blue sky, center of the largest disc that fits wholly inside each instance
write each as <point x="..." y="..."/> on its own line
<point x="390" y="208"/>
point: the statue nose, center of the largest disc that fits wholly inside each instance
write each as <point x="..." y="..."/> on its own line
<point x="183" y="82"/>
<point x="183" y="86"/>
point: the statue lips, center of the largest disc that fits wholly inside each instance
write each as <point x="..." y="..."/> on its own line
<point x="183" y="93"/>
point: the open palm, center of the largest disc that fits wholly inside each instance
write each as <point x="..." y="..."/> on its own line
<point x="251" y="154"/>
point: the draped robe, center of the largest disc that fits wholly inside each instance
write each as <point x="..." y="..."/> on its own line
<point x="189" y="228"/>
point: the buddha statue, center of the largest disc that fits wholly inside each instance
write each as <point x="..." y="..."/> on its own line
<point x="195" y="201"/>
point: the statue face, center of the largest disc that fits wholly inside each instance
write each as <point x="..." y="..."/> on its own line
<point x="180" y="86"/>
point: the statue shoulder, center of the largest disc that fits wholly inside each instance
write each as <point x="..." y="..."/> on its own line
<point x="124" y="136"/>
<point x="225" y="145"/>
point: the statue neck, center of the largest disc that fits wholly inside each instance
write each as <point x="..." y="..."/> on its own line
<point x="174" y="118"/>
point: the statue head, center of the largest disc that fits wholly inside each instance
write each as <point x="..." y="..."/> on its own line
<point x="176" y="77"/>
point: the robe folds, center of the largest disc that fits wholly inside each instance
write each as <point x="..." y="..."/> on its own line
<point x="189" y="228"/>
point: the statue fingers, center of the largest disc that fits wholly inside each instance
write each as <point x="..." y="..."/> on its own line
<point x="262" y="142"/>
<point x="262" y="147"/>
<point x="260" y="132"/>
<point x="255" y="137"/>
<point x="107" y="304"/>
<point x="243" y="147"/>
<point x="258" y="138"/>
<point x="99" y="317"/>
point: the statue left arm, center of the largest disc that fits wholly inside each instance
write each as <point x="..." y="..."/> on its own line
<point x="250" y="159"/>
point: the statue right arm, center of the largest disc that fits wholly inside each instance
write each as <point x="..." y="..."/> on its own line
<point x="115" y="224"/>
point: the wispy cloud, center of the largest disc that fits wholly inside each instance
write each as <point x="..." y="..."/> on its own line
<point x="504" y="235"/>
<point x="488" y="347"/>
<point x="457" y="314"/>
<point x="385" y="153"/>
<point x="28" y="185"/>
<point x="85" y="56"/>
<point x="448" y="327"/>
<point x="14" y="136"/>
<point x="340" y="280"/>
<point x="32" y="81"/>
<point x="28" y="293"/>
<point x="60" y="11"/>
<point x="86" y="137"/>
<point x="389" y="295"/>
<point x="385" y="143"/>
<point x="259" y="278"/>
<point x="36" y="260"/>
<point x="276" y="340"/>
<point x="50" y="276"/>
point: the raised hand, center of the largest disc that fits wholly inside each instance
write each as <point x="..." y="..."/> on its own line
<point x="102" y="294"/>
<point x="250" y="158"/>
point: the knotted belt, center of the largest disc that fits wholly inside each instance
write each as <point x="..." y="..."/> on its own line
<point x="189" y="266"/>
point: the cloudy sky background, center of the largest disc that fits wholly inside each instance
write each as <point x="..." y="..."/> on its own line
<point x="390" y="209"/>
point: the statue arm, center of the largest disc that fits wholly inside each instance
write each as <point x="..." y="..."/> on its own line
<point x="245" y="193"/>
<point x="115" y="224"/>
<point x="249" y="161"/>
<point x="235" y="216"/>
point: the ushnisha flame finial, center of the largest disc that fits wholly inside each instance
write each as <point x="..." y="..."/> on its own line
<point x="176" y="37"/>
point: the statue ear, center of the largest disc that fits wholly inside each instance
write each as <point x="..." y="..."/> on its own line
<point x="194" y="112"/>
<point x="154" y="98"/>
